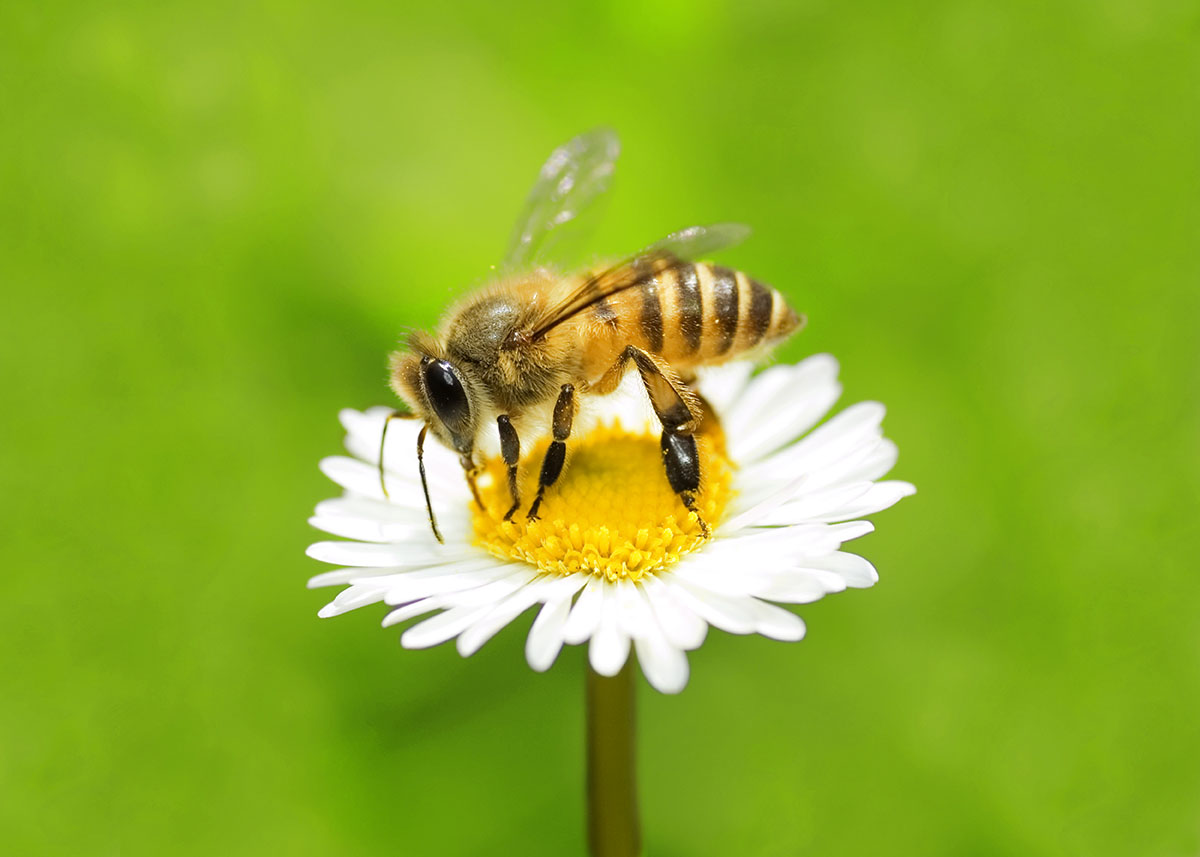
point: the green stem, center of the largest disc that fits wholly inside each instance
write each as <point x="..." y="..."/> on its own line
<point x="613" y="828"/>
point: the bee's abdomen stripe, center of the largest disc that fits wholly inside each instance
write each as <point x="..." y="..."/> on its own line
<point x="725" y="306"/>
<point x="652" y="318"/>
<point x="690" y="303"/>
<point x="762" y="302"/>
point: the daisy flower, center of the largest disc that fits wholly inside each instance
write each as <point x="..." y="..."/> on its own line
<point x="615" y="561"/>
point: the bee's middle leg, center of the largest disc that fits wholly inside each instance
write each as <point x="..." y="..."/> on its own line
<point x="556" y="453"/>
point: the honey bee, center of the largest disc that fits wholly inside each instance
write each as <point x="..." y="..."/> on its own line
<point x="533" y="342"/>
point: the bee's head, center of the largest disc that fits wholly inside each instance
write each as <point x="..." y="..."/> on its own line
<point x="444" y="393"/>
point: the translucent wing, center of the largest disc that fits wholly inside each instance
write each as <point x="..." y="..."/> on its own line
<point x="675" y="250"/>
<point x="574" y="175"/>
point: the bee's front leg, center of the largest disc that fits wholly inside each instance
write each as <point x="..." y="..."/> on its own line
<point x="556" y="454"/>
<point x="510" y="451"/>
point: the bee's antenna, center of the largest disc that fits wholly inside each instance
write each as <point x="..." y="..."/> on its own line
<point x="425" y="482"/>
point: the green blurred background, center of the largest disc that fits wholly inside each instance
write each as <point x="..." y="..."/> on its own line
<point x="216" y="218"/>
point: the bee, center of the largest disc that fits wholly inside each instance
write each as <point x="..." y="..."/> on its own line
<point x="532" y="343"/>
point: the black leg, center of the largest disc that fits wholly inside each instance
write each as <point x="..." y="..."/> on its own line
<point x="682" y="462"/>
<point x="556" y="455"/>
<point x="510" y="451"/>
<point x="680" y="411"/>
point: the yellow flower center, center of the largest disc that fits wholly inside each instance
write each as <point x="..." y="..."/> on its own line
<point x="611" y="512"/>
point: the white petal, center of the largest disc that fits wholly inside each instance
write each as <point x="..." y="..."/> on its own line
<point x="882" y="495"/>
<point x="465" y="610"/>
<point x="722" y="385"/>
<point x="799" y="585"/>
<point x="409" y="611"/>
<point x="609" y="648"/>
<point x="794" y="419"/>
<point x="628" y="608"/>
<point x="450" y="581"/>
<point x="777" y="623"/>
<point x="804" y="396"/>
<point x="682" y="627"/>
<point x="500" y="616"/>
<point x="852" y="568"/>
<point x="835" y="504"/>
<point x="351" y="599"/>
<point x="368" y="423"/>
<point x="440" y="628"/>
<point x="849" y="436"/>
<point x="804" y="506"/>
<point x="545" y="639"/>
<point x="368" y="529"/>
<point x="725" y="577"/>
<point x="361" y="479"/>
<point x="664" y="665"/>
<point x="741" y="614"/>
<point x="377" y="510"/>
<point x="776" y="578"/>
<point x="726" y="612"/>
<point x="447" y="490"/>
<point x="749" y="507"/>
<point x="585" y="615"/>
<point x="489" y="593"/>
<point x="408" y="555"/>
<point x="365" y="430"/>
<point x="876" y="464"/>
<point x="541" y="589"/>
<point x="840" y="465"/>
<point x="349" y="575"/>
<point x="762" y="396"/>
<point x="762" y="544"/>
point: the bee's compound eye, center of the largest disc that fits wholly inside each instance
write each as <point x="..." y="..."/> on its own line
<point x="447" y="396"/>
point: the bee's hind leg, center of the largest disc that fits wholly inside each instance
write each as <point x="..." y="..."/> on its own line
<point x="680" y="411"/>
<point x="556" y="453"/>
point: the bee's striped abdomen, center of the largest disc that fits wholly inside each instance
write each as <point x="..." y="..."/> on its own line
<point x="691" y="314"/>
<point x="719" y="313"/>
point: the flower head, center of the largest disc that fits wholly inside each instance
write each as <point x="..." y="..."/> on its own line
<point x="615" y="560"/>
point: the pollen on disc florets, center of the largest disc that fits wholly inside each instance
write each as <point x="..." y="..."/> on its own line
<point x="611" y="513"/>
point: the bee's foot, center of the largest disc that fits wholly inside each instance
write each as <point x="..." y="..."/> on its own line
<point x="689" y="501"/>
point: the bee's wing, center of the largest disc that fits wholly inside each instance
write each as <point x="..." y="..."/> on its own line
<point x="671" y="252"/>
<point x="574" y="175"/>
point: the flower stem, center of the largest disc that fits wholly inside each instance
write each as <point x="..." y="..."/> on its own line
<point x="613" y="828"/>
